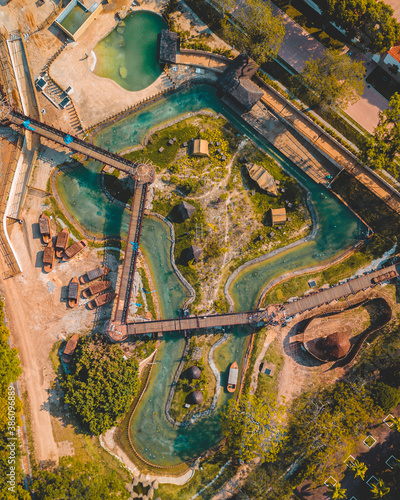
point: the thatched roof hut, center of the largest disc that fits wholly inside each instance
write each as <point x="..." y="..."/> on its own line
<point x="194" y="372"/>
<point x="262" y="177"/>
<point x="194" y="253"/>
<point x="332" y="347"/>
<point x="200" y="147"/>
<point x="195" y="398"/>
<point x="168" y="46"/>
<point x="186" y="210"/>
<point x="236" y="82"/>
<point x="278" y="216"/>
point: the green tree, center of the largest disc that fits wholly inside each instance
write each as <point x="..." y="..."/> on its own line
<point x="101" y="385"/>
<point x="333" y="79"/>
<point x="252" y="427"/>
<point x="73" y="480"/>
<point x="396" y="424"/>
<point x="370" y="21"/>
<point x="359" y="469"/>
<point x="380" y="490"/>
<point x="380" y="150"/>
<point x="255" y="30"/>
<point x="337" y="492"/>
<point x="226" y="6"/>
<point x="385" y="396"/>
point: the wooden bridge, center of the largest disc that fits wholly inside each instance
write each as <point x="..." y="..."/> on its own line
<point x="273" y="315"/>
<point x="72" y="142"/>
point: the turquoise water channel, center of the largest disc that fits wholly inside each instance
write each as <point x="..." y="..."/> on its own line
<point x="76" y="18"/>
<point x="128" y="54"/>
<point x="154" y="438"/>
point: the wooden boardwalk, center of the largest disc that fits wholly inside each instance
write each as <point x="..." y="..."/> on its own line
<point x="131" y="252"/>
<point x="337" y="292"/>
<point x="77" y="145"/>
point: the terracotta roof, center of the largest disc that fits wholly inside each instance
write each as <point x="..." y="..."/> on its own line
<point x="395" y="51"/>
<point x="334" y="346"/>
<point x="71" y="344"/>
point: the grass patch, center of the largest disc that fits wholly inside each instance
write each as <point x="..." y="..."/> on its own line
<point x="267" y="385"/>
<point x="58" y="214"/>
<point x="149" y="296"/>
<point x="383" y="82"/>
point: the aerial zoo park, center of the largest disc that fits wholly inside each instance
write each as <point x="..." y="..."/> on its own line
<point x="199" y="272"/>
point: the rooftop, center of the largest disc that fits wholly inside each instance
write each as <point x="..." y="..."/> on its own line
<point x="168" y="46"/>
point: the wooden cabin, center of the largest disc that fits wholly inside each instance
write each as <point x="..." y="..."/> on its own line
<point x="99" y="286"/>
<point x="94" y="274"/>
<point x="48" y="257"/>
<point x="73" y="292"/>
<point x="62" y="242"/>
<point x="200" y="147"/>
<point x="168" y="47"/>
<point x="44" y="227"/>
<point x="70" y="348"/>
<point x="278" y="216"/>
<point x="74" y="249"/>
<point x="102" y="299"/>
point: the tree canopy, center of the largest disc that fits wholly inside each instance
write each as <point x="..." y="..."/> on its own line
<point x="252" y="427"/>
<point x="255" y="30"/>
<point x="370" y="21"/>
<point x="72" y="480"/>
<point x="380" y="149"/>
<point x="333" y="79"/>
<point x="101" y="385"/>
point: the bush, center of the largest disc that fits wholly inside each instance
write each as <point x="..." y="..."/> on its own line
<point x="385" y="396"/>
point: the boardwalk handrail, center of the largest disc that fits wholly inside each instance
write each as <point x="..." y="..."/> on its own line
<point x="75" y="140"/>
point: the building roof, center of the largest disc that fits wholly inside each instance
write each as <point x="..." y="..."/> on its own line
<point x="236" y="81"/>
<point x="395" y="51"/>
<point x="186" y="210"/>
<point x="194" y="253"/>
<point x="263" y="178"/>
<point x="48" y="254"/>
<point x="73" y="289"/>
<point x="278" y="215"/>
<point x="93" y="274"/>
<point x="233" y="375"/>
<point x="196" y="397"/>
<point x="332" y="347"/>
<point x="44" y="225"/>
<point x="200" y="147"/>
<point x="62" y="239"/>
<point x="194" y="372"/>
<point x="168" y="46"/>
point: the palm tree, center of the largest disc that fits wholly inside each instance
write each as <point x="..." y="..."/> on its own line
<point x="337" y="492"/>
<point x="359" y="469"/>
<point x="380" y="490"/>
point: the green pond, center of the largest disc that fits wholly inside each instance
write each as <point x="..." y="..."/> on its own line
<point x="75" y="18"/>
<point x="128" y="54"/>
<point x="154" y="438"/>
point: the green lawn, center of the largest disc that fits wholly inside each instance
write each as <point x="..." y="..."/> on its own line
<point x="383" y="82"/>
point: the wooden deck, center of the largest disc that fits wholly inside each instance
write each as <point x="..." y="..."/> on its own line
<point x="131" y="252"/>
<point x="78" y="145"/>
<point x="337" y="292"/>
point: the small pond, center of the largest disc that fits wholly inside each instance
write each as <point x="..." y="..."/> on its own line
<point x="128" y="55"/>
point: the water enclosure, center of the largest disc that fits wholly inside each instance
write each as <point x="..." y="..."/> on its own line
<point x="75" y="18"/>
<point x="128" y="55"/>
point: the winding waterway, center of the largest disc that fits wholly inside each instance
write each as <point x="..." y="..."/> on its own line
<point x="154" y="438"/>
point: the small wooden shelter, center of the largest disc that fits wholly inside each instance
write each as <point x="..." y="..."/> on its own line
<point x="48" y="257"/>
<point x="186" y="210"/>
<point x="262" y="177"/>
<point x="74" y="249"/>
<point x="330" y="348"/>
<point x="70" y="348"/>
<point x="194" y="372"/>
<point x="44" y="227"/>
<point x="278" y="216"/>
<point x="62" y="242"/>
<point x="194" y="253"/>
<point x="195" y="398"/>
<point x="200" y="147"/>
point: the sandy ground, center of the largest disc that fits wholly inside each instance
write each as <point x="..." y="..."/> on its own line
<point x="36" y="311"/>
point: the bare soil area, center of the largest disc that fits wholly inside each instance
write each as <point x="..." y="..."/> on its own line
<point x="36" y="309"/>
